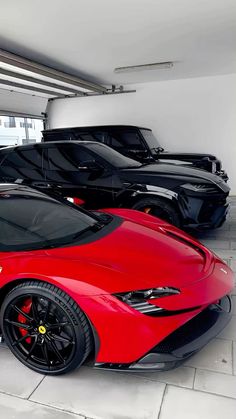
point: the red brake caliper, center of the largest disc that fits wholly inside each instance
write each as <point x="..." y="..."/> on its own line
<point x="26" y="309"/>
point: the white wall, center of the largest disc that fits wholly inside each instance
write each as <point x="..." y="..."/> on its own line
<point x="187" y="115"/>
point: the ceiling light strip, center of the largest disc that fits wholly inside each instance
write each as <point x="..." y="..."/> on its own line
<point x="144" y="67"/>
<point x="20" y="62"/>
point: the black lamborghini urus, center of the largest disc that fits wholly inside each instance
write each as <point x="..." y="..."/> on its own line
<point x="102" y="177"/>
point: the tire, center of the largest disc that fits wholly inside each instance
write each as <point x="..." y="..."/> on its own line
<point x="159" y="208"/>
<point x="45" y="329"/>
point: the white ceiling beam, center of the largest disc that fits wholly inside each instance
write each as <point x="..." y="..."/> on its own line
<point x="28" y="65"/>
<point x="41" y="82"/>
<point x="31" y="88"/>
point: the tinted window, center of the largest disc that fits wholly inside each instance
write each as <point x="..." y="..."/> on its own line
<point x="85" y="137"/>
<point x="111" y="156"/>
<point x="36" y="221"/>
<point x="116" y="143"/>
<point x="99" y="136"/>
<point x="150" y="138"/>
<point x="67" y="157"/>
<point x="29" y="158"/>
<point x="58" y="135"/>
<point x="3" y="155"/>
<point x="121" y="139"/>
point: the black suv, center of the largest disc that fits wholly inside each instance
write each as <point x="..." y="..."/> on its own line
<point x="102" y="177"/>
<point x="137" y="143"/>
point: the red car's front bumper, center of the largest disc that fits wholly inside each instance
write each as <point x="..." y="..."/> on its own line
<point x="131" y="339"/>
<point x="184" y="342"/>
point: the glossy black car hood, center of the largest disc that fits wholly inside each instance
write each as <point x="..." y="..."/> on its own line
<point x="184" y="155"/>
<point x="149" y="172"/>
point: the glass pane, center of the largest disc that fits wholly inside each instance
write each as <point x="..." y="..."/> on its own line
<point x="111" y="156"/>
<point x="28" y="159"/>
<point x="35" y="221"/>
<point x="17" y="131"/>
<point x="67" y="157"/>
<point x="150" y="138"/>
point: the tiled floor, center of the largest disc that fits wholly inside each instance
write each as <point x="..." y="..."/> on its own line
<point x="204" y="388"/>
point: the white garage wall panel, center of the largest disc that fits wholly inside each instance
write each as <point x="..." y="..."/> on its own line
<point x="22" y="103"/>
<point x="186" y="115"/>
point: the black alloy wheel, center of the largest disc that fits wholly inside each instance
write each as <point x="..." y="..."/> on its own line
<point x="159" y="208"/>
<point x="45" y="329"/>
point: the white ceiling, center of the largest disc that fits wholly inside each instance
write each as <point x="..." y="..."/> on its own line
<point x="89" y="38"/>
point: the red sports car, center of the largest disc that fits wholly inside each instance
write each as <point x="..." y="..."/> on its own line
<point x="128" y="290"/>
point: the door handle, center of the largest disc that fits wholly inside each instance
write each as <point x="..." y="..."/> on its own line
<point x="41" y="184"/>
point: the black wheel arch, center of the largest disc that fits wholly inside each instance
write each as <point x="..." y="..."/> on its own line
<point x="128" y="198"/>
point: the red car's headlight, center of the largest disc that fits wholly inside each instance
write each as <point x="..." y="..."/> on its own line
<point x="139" y="300"/>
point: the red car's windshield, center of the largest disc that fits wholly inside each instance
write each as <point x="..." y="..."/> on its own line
<point x="34" y="221"/>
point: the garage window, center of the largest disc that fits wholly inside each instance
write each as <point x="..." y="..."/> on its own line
<point x="16" y="131"/>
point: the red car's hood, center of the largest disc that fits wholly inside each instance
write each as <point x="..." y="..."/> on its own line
<point x="136" y="256"/>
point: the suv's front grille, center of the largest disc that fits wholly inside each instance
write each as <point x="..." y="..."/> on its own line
<point x="208" y="209"/>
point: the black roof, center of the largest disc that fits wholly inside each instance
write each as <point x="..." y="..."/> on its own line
<point x="49" y="144"/>
<point x="94" y="127"/>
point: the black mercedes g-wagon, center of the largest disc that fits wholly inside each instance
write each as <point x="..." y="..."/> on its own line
<point x="137" y="143"/>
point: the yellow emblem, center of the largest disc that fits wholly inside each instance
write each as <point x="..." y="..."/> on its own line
<point x="42" y="330"/>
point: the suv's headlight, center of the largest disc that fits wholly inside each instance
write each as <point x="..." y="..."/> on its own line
<point x="200" y="187"/>
<point x="139" y="300"/>
<point x="214" y="167"/>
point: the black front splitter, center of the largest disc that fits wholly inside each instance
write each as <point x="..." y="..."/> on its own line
<point x="183" y="342"/>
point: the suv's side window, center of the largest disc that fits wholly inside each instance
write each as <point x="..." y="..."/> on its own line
<point x="67" y="157"/>
<point x="116" y="142"/>
<point x="125" y="140"/>
<point x="24" y="159"/>
<point x="99" y="136"/>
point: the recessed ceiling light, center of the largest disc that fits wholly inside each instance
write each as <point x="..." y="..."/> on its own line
<point x="143" y="67"/>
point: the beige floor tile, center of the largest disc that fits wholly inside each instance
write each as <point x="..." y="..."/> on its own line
<point x="217" y="383"/>
<point x="182" y="403"/>
<point x="15" y="378"/>
<point x="15" y="408"/>
<point x="102" y="394"/>
<point x="234" y="358"/>
<point x="216" y="356"/>
<point x="229" y="331"/>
